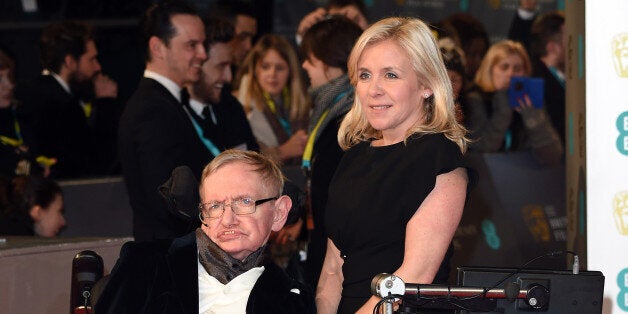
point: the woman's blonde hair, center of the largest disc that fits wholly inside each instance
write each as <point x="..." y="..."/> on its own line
<point x="416" y="39"/>
<point x="252" y="92"/>
<point x="495" y="54"/>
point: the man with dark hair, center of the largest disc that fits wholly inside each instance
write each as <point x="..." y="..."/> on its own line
<point x="220" y="115"/>
<point x="69" y="112"/>
<point x="547" y="49"/>
<point x="156" y="134"/>
<point x="242" y="16"/>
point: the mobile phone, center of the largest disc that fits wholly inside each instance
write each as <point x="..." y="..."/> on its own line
<point x="531" y="86"/>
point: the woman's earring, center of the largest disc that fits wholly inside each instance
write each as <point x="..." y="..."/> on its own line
<point x="426" y="95"/>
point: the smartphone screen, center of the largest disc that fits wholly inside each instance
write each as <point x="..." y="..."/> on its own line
<point x="531" y="86"/>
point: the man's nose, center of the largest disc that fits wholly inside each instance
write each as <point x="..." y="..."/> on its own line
<point x="228" y="215"/>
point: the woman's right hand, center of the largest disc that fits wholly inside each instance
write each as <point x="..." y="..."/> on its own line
<point x="294" y="146"/>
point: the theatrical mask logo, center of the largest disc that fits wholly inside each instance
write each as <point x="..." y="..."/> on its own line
<point x="620" y="212"/>
<point x="619" y="49"/>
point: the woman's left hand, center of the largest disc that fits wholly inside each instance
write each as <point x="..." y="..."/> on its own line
<point x="524" y="103"/>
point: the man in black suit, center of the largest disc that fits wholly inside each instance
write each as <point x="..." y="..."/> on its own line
<point x="212" y="107"/>
<point x="548" y="62"/>
<point x="221" y="267"/>
<point x="63" y="110"/>
<point x="156" y="134"/>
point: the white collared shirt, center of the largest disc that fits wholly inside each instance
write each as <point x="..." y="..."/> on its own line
<point x="61" y="82"/>
<point x="169" y="84"/>
<point x="216" y="298"/>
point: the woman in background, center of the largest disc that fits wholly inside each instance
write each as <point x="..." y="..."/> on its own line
<point x="15" y="157"/>
<point x="455" y="64"/>
<point x="326" y="47"/>
<point x="497" y="126"/>
<point x="31" y="205"/>
<point x="274" y="98"/>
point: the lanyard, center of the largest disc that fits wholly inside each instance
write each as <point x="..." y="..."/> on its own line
<point x="207" y="142"/>
<point x="87" y="109"/>
<point x="273" y="108"/>
<point x="15" y="142"/>
<point x="309" y="147"/>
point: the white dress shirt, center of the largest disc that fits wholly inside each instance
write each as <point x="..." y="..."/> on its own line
<point x="216" y="298"/>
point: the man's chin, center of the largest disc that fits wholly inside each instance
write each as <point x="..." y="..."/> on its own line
<point x="214" y="100"/>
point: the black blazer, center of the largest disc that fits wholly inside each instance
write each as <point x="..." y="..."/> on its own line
<point x="54" y="125"/>
<point x="162" y="277"/>
<point x="156" y="136"/>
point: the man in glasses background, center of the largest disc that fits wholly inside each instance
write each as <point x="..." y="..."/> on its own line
<point x="221" y="267"/>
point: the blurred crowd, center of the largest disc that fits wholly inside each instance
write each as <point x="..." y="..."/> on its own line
<point x="213" y="84"/>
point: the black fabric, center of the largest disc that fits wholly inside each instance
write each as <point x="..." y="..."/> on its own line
<point x="207" y="114"/>
<point x="181" y="195"/>
<point x="15" y="223"/>
<point x="373" y="195"/>
<point x="554" y="97"/>
<point x="219" y="264"/>
<point x="162" y="277"/>
<point x="155" y="137"/>
<point x="326" y="155"/>
<point x="520" y="30"/>
<point x="10" y="156"/>
<point x="232" y="128"/>
<point x="185" y="97"/>
<point x="54" y="124"/>
<point x="104" y="123"/>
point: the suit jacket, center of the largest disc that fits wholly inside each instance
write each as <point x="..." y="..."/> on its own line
<point x="162" y="277"/>
<point x="54" y="125"/>
<point x="156" y="136"/>
<point x="233" y="127"/>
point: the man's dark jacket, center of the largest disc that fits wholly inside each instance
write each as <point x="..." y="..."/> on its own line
<point x="156" y="136"/>
<point x="162" y="277"/>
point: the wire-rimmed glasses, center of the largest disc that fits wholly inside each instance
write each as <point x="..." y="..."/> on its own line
<point x="239" y="206"/>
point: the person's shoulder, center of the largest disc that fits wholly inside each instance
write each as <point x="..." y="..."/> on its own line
<point x="42" y="86"/>
<point x="432" y="142"/>
<point x="429" y="138"/>
<point x="148" y="87"/>
<point x="229" y="102"/>
<point x="152" y="98"/>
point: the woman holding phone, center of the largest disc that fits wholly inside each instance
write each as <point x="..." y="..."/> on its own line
<point x="496" y="125"/>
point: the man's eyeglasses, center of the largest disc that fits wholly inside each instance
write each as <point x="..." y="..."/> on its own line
<point x="239" y="206"/>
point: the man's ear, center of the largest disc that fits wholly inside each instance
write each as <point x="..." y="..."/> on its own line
<point x="70" y="63"/>
<point x="282" y="207"/>
<point x="156" y="47"/>
<point x="35" y="212"/>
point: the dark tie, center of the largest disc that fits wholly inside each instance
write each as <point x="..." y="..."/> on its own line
<point x="206" y="114"/>
<point x="185" y="98"/>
